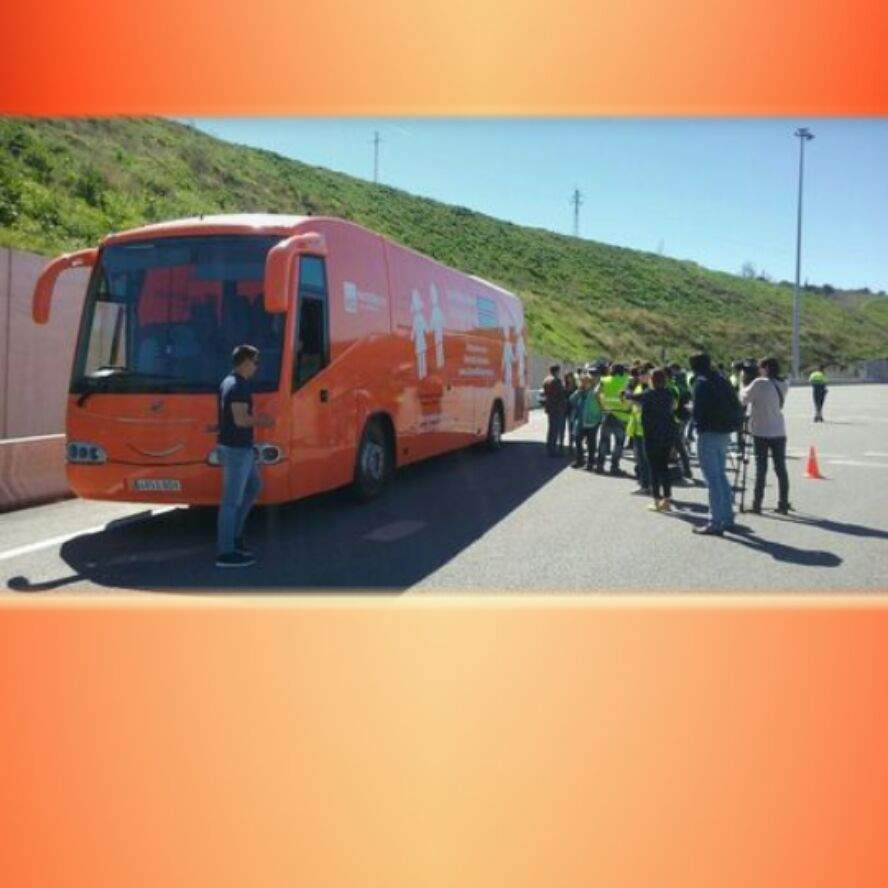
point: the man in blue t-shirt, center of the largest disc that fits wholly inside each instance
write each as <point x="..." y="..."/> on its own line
<point x="240" y="477"/>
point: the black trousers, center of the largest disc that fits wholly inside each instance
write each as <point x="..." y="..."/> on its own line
<point x="555" y="435"/>
<point x="587" y="436"/>
<point x="682" y="449"/>
<point x="658" y="461"/>
<point x="819" y="393"/>
<point x="777" y="448"/>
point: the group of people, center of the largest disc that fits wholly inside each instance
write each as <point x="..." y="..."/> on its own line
<point x="659" y="411"/>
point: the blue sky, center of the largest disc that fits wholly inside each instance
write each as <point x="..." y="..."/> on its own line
<point x="720" y="192"/>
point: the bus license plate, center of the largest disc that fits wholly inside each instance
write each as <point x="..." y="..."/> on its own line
<point x="165" y="484"/>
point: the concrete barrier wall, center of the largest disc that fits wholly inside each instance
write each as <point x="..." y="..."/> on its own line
<point x="32" y="470"/>
<point x="35" y="361"/>
<point x="35" y="367"/>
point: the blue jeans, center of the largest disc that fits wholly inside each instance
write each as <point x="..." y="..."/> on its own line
<point x="712" y="451"/>
<point x="240" y="487"/>
<point x="610" y="425"/>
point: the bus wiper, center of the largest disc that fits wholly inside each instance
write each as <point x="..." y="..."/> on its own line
<point x="109" y="371"/>
<point x="103" y="375"/>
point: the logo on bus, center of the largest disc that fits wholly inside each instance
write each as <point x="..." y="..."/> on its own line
<point x="155" y="406"/>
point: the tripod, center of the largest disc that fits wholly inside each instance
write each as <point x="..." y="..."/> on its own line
<point x="740" y="464"/>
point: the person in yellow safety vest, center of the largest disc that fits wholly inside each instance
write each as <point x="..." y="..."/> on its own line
<point x="635" y="433"/>
<point x="616" y="416"/>
<point x="679" y="409"/>
<point x="818" y="390"/>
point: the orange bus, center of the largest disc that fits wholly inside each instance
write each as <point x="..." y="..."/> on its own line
<point x="373" y="356"/>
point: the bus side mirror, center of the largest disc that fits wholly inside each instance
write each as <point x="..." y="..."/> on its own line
<point x="280" y="268"/>
<point x="46" y="282"/>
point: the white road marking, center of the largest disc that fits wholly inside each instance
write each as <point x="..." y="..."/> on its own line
<point x="874" y="453"/>
<point x="31" y="438"/>
<point x="820" y="455"/>
<point x="397" y="530"/>
<point x="59" y="540"/>
<point x="857" y="462"/>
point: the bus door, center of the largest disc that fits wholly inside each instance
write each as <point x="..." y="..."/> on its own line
<point x="316" y="421"/>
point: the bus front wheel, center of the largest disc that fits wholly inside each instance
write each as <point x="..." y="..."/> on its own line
<point x="494" y="438"/>
<point x="372" y="467"/>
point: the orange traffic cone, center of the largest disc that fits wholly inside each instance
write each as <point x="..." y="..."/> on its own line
<point x="812" y="470"/>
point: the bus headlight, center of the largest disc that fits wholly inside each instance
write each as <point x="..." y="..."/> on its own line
<point x="213" y="458"/>
<point x="85" y="452"/>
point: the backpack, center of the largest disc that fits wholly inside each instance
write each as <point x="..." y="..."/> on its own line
<point x="727" y="411"/>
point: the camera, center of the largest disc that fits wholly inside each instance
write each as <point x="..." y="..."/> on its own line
<point x="748" y="371"/>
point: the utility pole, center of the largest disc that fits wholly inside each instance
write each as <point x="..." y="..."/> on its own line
<point x="376" y="141"/>
<point x="576" y="200"/>
<point x="803" y="134"/>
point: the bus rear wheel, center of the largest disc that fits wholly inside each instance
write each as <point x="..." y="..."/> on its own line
<point x="372" y="466"/>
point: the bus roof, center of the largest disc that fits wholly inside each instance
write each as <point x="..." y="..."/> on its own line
<point x="256" y="223"/>
<point x="233" y="223"/>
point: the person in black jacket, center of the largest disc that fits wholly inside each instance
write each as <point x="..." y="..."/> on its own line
<point x="556" y="410"/>
<point x="717" y="413"/>
<point x="660" y="433"/>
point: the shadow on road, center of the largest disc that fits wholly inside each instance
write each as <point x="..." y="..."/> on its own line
<point x="23" y="584"/>
<point x="859" y="530"/>
<point x="746" y="536"/>
<point x="431" y="513"/>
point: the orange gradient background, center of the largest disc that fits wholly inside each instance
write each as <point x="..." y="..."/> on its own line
<point x="512" y="742"/>
<point x="458" y="57"/>
<point x="414" y="744"/>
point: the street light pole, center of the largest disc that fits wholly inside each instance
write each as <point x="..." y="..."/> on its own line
<point x="376" y="141"/>
<point x="804" y="135"/>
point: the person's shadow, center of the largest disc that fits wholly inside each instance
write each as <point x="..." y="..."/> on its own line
<point x="745" y="536"/>
<point x="859" y="530"/>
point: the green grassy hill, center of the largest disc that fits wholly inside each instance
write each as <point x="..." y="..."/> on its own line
<point x="66" y="183"/>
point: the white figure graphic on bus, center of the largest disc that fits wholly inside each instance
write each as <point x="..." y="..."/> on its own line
<point x="508" y="356"/>
<point x="419" y="335"/>
<point x="521" y="355"/>
<point x="436" y="323"/>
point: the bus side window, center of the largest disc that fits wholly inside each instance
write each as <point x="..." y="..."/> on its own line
<point x="311" y="341"/>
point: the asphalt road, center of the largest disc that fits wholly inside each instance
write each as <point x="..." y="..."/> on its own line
<point x="512" y="522"/>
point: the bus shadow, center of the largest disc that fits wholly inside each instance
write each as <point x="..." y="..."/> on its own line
<point x="430" y="513"/>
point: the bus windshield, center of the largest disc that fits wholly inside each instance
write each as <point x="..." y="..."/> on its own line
<point x="164" y="315"/>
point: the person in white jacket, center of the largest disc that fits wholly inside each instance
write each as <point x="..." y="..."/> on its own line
<point x="765" y="397"/>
